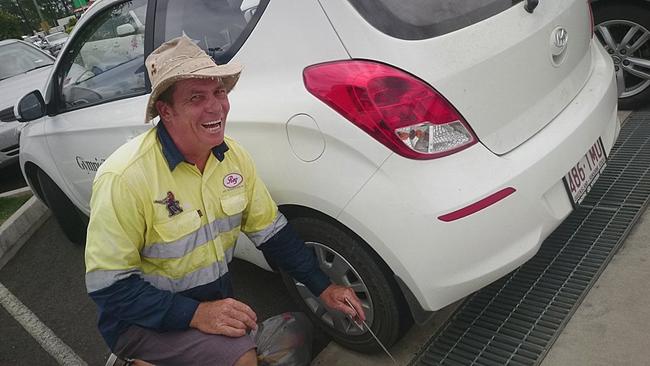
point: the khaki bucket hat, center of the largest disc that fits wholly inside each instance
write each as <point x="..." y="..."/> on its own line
<point x="180" y="59"/>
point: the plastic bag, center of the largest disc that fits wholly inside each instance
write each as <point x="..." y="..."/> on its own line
<point x="284" y="339"/>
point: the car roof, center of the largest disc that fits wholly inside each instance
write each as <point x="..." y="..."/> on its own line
<point x="10" y="41"/>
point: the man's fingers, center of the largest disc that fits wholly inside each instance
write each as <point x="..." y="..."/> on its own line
<point x="230" y="331"/>
<point x="244" y="318"/>
<point x="241" y="307"/>
<point x="356" y="303"/>
<point x="350" y="298"/>
<point x="234" y="323"/>
<point x="247" y="310"/>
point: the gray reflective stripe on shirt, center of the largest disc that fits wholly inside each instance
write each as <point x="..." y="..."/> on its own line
<point x="186" y="244"/>
<point x="197" y="278"/>
<point x="259" y="237"/>
<point x="97" y="280"/>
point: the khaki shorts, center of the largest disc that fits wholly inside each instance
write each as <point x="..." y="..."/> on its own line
<point x="284" y="339"/>
<point x="187" y="347"/>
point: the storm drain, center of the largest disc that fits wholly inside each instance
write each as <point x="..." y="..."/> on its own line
<point x="516" y="320"/>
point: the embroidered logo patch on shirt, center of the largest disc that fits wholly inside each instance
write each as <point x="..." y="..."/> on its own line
<point x="171" y="203"/>
<point x="232" y="180"/>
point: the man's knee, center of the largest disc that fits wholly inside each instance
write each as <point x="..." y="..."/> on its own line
<point x="248" y="359"/>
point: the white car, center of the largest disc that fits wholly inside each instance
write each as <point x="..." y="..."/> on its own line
<point x="55" y="41"/>
<point x="424" y="149"/>
<point x="23" y="68"/>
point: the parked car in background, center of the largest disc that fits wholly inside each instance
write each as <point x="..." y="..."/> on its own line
<point x="623" y="28"/>
<point x="424" y="148"/>
<point x="35" y="40"/>
<point x="54" y="42"/>
<point x="23" y="68"/>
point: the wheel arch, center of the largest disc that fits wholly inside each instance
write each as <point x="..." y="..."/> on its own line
<point x="418" y="314"/>
<point x="31" y="174"/>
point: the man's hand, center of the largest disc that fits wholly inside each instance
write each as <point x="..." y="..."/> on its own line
<point x="334" y="297"/>
<point x="227" y="317"/>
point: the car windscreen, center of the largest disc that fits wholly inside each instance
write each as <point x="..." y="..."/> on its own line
<point x="422" y="19"/>
<point x="18" y="58"/>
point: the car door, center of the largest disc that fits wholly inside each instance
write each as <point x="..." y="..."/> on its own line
<point x="99" y="95"/>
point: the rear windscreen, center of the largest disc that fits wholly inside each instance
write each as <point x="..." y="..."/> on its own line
<point x="421" y="19"/>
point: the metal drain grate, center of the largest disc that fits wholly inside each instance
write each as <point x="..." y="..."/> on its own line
<point x="516" y="320"/>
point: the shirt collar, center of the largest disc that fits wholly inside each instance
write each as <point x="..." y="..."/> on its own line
<point x="173" y="155"/>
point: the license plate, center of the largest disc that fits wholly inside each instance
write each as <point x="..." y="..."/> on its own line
<point x="581" y="176"/>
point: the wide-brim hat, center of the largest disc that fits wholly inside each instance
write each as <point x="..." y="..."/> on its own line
<point x="179" y="59"/>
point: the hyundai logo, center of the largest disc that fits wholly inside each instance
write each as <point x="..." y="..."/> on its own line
<point x="561" y="37"/>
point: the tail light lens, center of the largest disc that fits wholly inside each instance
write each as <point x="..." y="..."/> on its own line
<point x="398" y="110"/>
<point x="591" y="18"/>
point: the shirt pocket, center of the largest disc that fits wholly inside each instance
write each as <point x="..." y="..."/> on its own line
<point x="178" y="226"/>
<point x="234" y="204"/>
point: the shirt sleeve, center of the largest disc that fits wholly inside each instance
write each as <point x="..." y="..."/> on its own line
<point x="287" y="251"/>
<point x="113" y="276"/>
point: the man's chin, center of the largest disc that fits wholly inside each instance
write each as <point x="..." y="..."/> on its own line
<point x="214" y="141"/>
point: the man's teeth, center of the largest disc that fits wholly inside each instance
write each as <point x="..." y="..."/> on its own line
<point x="212" y="126"/>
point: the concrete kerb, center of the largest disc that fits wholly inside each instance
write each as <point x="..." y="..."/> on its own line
<point x="15" y="192"/>
<point x="20" y="226"/>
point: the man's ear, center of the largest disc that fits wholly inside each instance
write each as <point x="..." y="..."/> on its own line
<point x="164" y="110"/>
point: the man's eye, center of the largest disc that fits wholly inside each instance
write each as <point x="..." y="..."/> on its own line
<point x="220" y="92"/>
<point x="195" y="98"/>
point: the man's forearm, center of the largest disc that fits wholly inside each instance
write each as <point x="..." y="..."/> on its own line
<point x="135" y="301"/>
<point x="290" y="253"/>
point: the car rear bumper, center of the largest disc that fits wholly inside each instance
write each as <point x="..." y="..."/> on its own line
<point x="397" y="211"/>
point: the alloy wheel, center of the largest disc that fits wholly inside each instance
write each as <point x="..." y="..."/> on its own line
<point x="628" y="43"/>
<point x="341" y="272"/>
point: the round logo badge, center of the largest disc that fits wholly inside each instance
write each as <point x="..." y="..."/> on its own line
<point x="232" y="180"/>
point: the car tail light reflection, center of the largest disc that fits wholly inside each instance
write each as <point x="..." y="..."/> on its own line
<point x="398" y="110"/>
<point x="591" y="18"/>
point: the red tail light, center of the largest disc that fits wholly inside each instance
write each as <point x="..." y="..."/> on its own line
<point x="398" y="110"/>
<point x="591" y="18"/>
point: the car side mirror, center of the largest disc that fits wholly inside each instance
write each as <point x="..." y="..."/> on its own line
<point x="30" y="107"/>
<point x="124" y="30"/>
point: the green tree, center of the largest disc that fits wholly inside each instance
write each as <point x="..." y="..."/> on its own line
<point x="9" y="26"/>
<point x="27" y="14"/>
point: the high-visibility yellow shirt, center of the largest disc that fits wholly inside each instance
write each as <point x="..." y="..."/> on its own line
<point x="174" y="224"/>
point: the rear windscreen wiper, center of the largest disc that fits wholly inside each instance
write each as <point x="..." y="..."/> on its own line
<point x="531" y="5"/>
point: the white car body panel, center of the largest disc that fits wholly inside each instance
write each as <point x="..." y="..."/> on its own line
<point x="80" y="142"/>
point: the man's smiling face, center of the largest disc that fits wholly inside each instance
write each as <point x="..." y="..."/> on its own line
<point x="196" y="117"/>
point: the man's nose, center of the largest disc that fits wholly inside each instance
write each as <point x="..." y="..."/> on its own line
<point x="214" y="105"/>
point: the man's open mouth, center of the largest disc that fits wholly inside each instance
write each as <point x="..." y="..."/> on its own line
<point x="213" y="126"/>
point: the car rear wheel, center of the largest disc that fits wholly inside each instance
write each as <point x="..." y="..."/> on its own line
<point x="63" y="210"/>
<point x="623" y="28"/>
<point x="347" y="261"/>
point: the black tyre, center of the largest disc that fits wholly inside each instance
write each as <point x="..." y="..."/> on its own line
<point x="66" y="214"/>
<point x="623" y="28"/>
<point x="349" y="262"/>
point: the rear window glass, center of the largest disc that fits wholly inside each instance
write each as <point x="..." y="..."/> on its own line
<point x="421" y="19"/>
